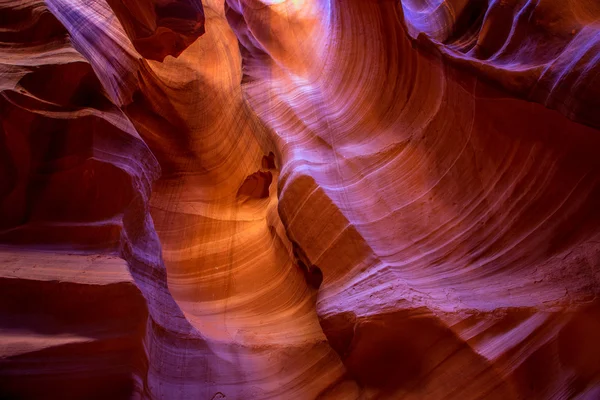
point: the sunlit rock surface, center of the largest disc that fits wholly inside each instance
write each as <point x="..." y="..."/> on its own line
<point x="299" y="199"/>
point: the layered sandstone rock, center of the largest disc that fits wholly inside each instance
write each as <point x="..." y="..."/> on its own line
<point x="298" y="199"/>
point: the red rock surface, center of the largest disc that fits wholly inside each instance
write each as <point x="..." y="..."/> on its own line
<point x="299" y="199"/>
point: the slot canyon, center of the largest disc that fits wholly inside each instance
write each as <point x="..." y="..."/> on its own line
<point x="299" y="199"/>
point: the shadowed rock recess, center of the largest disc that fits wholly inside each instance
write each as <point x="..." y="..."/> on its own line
<point x="299" y="199"/>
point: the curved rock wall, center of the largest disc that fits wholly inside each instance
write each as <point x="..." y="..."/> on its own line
<point x="299" y="199"/>
<point x="455" y="225"/>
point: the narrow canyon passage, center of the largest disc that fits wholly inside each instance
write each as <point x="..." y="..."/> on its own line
<point x="299" y="199"/>
<point x="229" y="263"/>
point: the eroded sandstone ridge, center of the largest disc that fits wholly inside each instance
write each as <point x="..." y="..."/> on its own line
<point x="299" y="199"/>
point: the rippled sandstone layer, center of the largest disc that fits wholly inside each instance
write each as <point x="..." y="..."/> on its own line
<point x="299" y="199"/>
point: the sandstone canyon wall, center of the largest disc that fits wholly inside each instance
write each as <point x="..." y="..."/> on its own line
<point x="299" y="199"/>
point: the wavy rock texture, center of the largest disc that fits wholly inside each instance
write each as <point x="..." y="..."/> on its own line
<point x="299" y="199"/>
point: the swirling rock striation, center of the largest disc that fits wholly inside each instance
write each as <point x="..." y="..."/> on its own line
<point x="545" y="51"/>
<point x="299" y="199"/>
<point x="76" y="178"/>
<point x="455" y="224"/>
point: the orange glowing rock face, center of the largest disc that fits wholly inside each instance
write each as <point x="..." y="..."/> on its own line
<point x="299" y="199"/>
